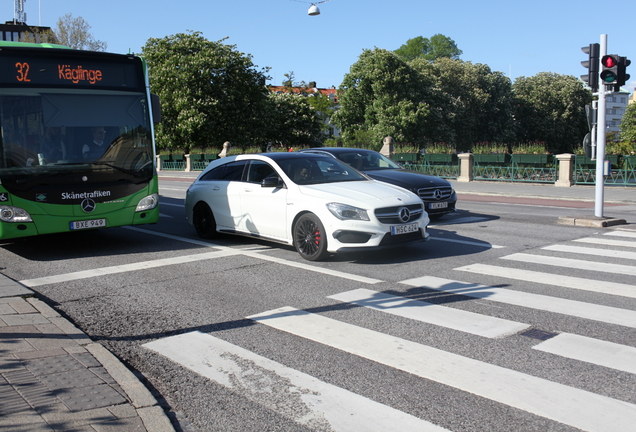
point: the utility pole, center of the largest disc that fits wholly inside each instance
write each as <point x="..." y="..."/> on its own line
<point x="600" y="138"/>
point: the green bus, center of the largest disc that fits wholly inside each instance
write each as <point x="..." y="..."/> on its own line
<point x="77" y="146"/>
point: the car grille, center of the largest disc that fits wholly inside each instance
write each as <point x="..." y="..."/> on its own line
<point x="435" y="193"/>
<point x="389" y="239"/>
<point x="352" y="237"/>
<point x="391" y="215"/>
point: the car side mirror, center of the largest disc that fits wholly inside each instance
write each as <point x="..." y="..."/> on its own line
<point x="272" y="182"/>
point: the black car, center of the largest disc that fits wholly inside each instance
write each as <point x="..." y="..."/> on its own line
<point x="438" y="194"/>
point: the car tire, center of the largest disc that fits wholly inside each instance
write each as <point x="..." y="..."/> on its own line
<point x="203" y="221"/>
<point x="310" y="239"/>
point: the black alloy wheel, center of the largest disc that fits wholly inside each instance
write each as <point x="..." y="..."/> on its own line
<point x="310" y="239"/>
<point x="203" y="221"/>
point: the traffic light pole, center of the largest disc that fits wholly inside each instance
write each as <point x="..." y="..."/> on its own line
<point x="600" y="140"/>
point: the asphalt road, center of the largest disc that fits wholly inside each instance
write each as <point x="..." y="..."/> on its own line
<point x="503" y="321"/>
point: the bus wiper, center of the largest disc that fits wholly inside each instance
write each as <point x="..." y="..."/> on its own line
<point x="124" y="170"/>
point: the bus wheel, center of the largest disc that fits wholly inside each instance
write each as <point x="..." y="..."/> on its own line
<point x="203" y="221"/>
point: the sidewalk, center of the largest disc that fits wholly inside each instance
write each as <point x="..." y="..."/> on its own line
<point x="54" y="378"/>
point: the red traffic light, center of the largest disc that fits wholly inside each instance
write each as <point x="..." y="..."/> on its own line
<point x="609" y="61"/>
<point x="609" y="72"/>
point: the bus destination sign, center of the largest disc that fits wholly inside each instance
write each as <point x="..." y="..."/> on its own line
<point x="48" y="71"/>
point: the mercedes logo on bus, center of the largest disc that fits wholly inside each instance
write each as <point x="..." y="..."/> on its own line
<point x="404" y="214"/>
<point x="88" y="205"/>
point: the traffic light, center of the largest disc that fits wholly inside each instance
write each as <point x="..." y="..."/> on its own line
<point x="609" y="72"/>
<point x="591" y="64"/>
<point x="623" y="62"/>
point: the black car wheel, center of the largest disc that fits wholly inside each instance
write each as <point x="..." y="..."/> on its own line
<point x="203" y="221"/>
<point x="309" y="238"/>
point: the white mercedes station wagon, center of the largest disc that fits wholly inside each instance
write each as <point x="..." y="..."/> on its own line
<point x="316" y="203"/>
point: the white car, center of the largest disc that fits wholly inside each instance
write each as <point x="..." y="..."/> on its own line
<point x="315" y="203"/>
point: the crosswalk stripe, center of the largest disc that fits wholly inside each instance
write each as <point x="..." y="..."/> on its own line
<point x="603" y="353"/>
<point x="568" y="405"/>
<point x="592" y="251"/>
<point x="470" y="243"/>
<point x="606" y="242"/>
<point x="604" y="287"/>
<point x="457" y="319"/>
<point x="463" y="220"/>
<point x="573" y="263"/>
<point x="144" y="265"/>
<point x="621" y="234"/>
<point x="308" y="400"/>
<point x="606" y="314"/>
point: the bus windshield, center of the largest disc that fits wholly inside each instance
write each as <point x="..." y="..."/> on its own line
<point x="50" y="131"/>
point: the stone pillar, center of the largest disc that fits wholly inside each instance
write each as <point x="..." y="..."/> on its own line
<point x="158" y="159"/>
<point x="566" y="170"/>
<point x="188" y="167"/>
<point x="387" y="147"/>
<point x="226" y="148"/>
<point x="466" y="164"/>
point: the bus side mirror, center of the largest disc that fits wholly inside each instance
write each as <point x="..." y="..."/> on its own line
<point x="156" y="108"/>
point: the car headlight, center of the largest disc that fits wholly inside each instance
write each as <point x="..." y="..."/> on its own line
<point x="148" y="203"/>
<point x="14" y="214"/>
<point x="347" y="212"/>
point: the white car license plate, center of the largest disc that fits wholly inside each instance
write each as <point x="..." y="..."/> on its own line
<point x="438" y="205"/>
<point x="87" y="224"/>
<point x="404" y="229"/>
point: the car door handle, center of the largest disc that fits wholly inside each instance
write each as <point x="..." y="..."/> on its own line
<point x="215" y="188"/>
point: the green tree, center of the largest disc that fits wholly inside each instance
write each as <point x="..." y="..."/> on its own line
<point x="383" y="96"/>
<point x="551" y="108"/>
<point x="292" y="121"/>
<point x="628" y="127"/>
<point x="74" y="33"/>
<point x="210" y="93"/>
<point x="438" y="46"/>
<point x="479" y="104"/>
<point x="39" y="35"/>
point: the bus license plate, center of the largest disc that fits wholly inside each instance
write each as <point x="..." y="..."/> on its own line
<point x="438" y="205"/>
<point x="88" y="224"/>
<point x="404" y="229"/>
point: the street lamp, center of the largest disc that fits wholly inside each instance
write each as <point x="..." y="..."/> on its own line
<point x="313" y="9"/>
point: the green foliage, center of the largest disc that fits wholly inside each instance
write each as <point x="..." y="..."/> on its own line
<point x="74" y="32"/>
<point x="489" y="148"/>
<point x="384" y="96"/>
<point x="551" y="108"/>
<point x="530" y="148"/>
<point x="440" y="148"/>
<point x="292" y="121"/>
<point x="628" y="126"/>
<point x="439" y="46"/>
<point x="476" y="103"/>
<point x="210" y="93"/>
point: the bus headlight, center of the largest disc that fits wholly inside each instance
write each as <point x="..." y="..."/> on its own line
<point x="14" y="214"/>
<point x="148" y="203"/>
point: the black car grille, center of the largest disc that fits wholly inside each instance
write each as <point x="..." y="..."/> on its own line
<point x="389" y="239"/>
<point x="435" y="193"/>
<point x="391" y="215"/>
<point x="352" y="237"/>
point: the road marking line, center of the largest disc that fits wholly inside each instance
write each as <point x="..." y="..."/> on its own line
<point x="602" y="353"/>
<point x="143" y="265"/>
<point x="256" y="254"/>
<point x="306" y="400"/>
<point x="484" y="245"/>
<point x="592" y="251"/>
<point x="457" y="319"/>
<point x="621" y="234"/>
<point x="603" y="287"/>
<point x="606" y="314"/>
<point x="573" y="263"/>
<point x="607" y="242"/>
<point x="558" y="402"/>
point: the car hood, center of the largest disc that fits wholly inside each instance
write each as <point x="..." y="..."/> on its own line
<point x="407" y="179"/>
<point x="368" y="194"/>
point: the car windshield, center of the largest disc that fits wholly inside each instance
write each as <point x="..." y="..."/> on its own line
<point x="319" y="170"/>
<point x="367" y="160"/>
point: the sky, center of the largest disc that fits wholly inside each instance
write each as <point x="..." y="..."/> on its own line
<point x="513" y="37"/>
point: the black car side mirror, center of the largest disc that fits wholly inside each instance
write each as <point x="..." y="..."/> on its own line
<point x="272" y="182"/>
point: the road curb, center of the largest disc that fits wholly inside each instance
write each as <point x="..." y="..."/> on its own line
<point x="590" y="221"/>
